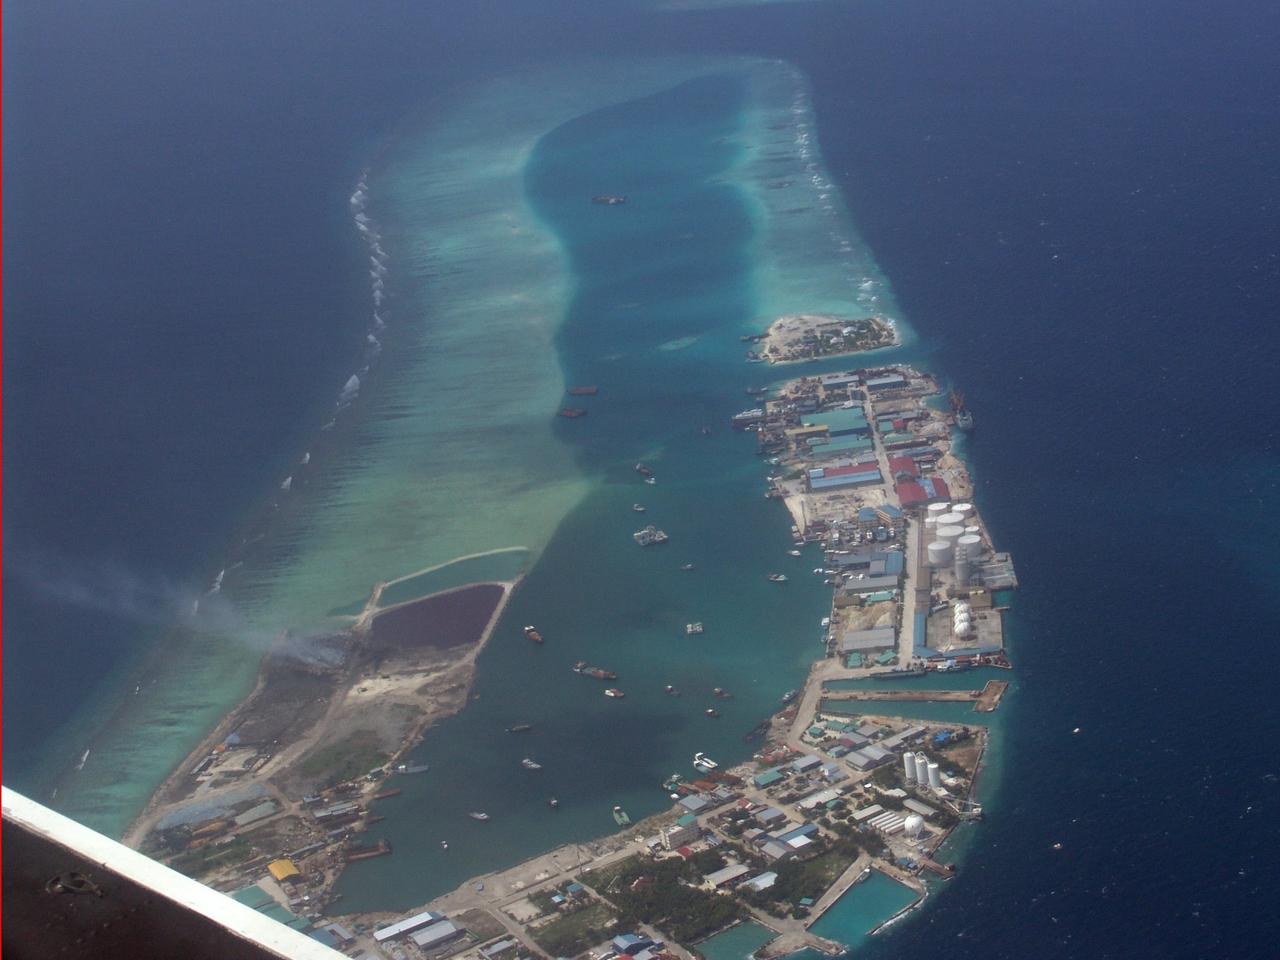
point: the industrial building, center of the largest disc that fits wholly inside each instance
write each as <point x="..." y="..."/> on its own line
<point x="408" y="925"/>
<point x="862" y="641"/>
<point x="437" y="935"/>
<point x="727" y="875"/>
<point x="914" y="493"/>
<point x="833" y="478"/>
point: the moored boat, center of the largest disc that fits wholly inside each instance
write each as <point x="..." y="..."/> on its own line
<point x="533" y="634"/>
<point x="620" y="816"/>
<point x="615" y="693"/>
<point x="703" y="762"/>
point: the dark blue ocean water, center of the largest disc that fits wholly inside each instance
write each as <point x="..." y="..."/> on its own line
<point x="1077" y="206"/>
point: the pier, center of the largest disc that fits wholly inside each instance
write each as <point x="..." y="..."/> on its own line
<point x="984" y="701"/>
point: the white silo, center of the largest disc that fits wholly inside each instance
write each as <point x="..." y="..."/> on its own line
<point x="951" y="519"/>
<point x="936" y="510"/>
<point x="962" y="570"/>
<point x="950" y="532"/>
<point x="913" y="825"/>
<point x="940" y="553"/>
<point x="935" y="779"/>
<point x="909" y="766"/>
<point x="964" y="509"/>
<point x="922" y="769"/>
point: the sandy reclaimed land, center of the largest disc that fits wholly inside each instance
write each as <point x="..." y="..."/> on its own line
<point x="802" y="337"/>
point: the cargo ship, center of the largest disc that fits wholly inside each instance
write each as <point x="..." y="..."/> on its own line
<point x="609" y="200"/>
<point x="597" y="673"/>
<point x="583" y="391"/>
<point x="380" y="849"/>
<point x="533" y="634"/>
<point x="964" y="419"/>
<point x="387" y="794"/>
<point x="649" y="536"/>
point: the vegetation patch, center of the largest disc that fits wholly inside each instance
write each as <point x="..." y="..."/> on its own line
<point x="351" y="757"/>
<point x="571" y="933"/>
<point x="665" y="895"/>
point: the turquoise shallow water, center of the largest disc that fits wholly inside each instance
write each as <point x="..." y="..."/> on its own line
<point x="737" y="943"/>
<point x="662" y="288"/>
<point x="862" y="909"/>
<point x="501" y="565"/>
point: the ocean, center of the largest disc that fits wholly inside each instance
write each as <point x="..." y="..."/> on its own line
<point x="1076" y="210"/>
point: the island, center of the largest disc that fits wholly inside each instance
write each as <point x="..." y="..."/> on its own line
<point x="805" y="337"/>
<point x="844" y="783"/>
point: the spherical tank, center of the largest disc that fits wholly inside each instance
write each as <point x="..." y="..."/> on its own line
<point x="913" y="825"/>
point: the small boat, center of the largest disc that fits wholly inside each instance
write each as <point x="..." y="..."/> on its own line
<point x="793" y="553"/>
<point x="608" y="200"/>
<point x="553" y="803"/>
<point x="520" y="728"/>
<point x="638" y="507"/>
<point x="706" y="431"/>
<point x="411" y="768"/>
<point x="533" y="634"/>
<point x="444" y="844"/>
<point x="693" y="628"/>
<point x="722" y="693"/>
<point x="620" y="816"/>
<point x="478" y="815"/>
<point x="686" y="567"/>
<point x="703" y="762"/>
<point x="712" y="712"/>
<point x="651" y="481"/>
<point x="649" y="536"/>
<point x="789" y="696"/>
<point x="777" y="578"/>
<point x="571" y="413"/>
<point x="615" y="693"/>
<point x="670" y="691"/>
<point x="643" y="470"/>
<point x="530" y="764"/>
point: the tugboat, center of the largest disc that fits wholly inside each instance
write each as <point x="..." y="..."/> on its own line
<point x="777" y="578"/>
<point x="533" y="634"/>
<point x="478" y="815"/>
<point x="964" y="419"/>
<point x="615" y="693"/>
<point x="529" y="764"/>
<point x="620" y="816"/>
<point x="692" y="629"/>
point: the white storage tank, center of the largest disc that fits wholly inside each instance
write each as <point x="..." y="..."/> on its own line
<point x="909" y="766"/>
<point x="940" y="553"/>
<point x="964" y="509"/>
<point x="971" y="544"/>
<point x="922" y="769"/>
<point x="950" y="532"/>
<point x="935" y="778"/>
<point x="951" y="519"/>
<point x="936" y="510"/>
<point x="972" y="528"/>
